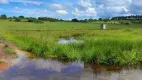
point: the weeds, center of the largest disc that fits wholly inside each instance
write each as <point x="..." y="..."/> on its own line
<point x="8" y="49"/>
<point x="114" y="46"/>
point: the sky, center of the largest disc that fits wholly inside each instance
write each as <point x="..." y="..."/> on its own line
<point x="68" y="9"/>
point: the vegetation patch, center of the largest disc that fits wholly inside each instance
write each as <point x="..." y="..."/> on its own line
<point x="119" y="44"/>
<point x="9" y="50"/>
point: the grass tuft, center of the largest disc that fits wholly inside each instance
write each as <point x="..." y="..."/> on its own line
<point x="9" y="50"/>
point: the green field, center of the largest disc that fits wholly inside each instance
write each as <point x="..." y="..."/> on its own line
<point x="119" y="44"/>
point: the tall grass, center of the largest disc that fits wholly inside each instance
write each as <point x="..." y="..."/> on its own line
<point x="99" y="50"/>
<point x="120" y="44"/>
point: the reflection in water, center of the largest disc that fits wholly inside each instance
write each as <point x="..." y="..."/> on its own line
<point x="71" y="40"/>
<point x="40" y="69"/>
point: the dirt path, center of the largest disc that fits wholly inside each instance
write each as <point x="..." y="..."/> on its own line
<point x="4" y="65"/>
<point x="3" y="56"/>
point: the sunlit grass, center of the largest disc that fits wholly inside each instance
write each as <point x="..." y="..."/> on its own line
<point x="119" y="44"/>
<point x="9" y="50"/>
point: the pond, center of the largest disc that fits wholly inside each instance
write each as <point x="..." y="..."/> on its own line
<point x="25" y="68"/>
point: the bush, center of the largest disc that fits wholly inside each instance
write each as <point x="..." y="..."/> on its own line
<point x="34" y="20"/>
<point x="31" y="20"/>
<point x="38" y="21"/>
<point x="136" y="21"/>
<point x="125" y="22"/>
<point x="10" y="20"/>
<point x="17" y="20"/>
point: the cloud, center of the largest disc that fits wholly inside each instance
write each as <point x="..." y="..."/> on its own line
<point x="117" y="9"/>
<point x="38" y="3"/>
<point x="43" y="11"/>
<point x="70" y="8"/>
<point x="108" y="8"/>
<point x="136" y="7"/>
<point x="17" y="8"/>
<point x="113" y="2"/>
<point x="4" y="2"/>
<point x="85" y="10"/>
<point x="60" y="9"/>
<point x="84" y="3"/>
<point x="88" y="12"/>
<point x="137" y="3"/>
<point x="57" y="6"/>
<point x="34" y="12"/>
<point x="62" y="12"/>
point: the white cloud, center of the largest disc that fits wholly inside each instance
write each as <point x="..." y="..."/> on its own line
<point x="117" y="9"/>
<point x="28" y="2"/>
<point x="57" y="6"/>
<point x="114" y="2"/>
<point x="62" y="12"/>
<point x="87" y="9"/>
<point x="43" y="11"/>
<point x="60" y="9"/>
<point x="88" y="12"/>
<point x="108" y="8"/>
<point x="17" y="8"/>
<point x="34" y="12"/>
<point x="137" y="2"/>
<point x="4" y="2"/>
<point x="84" y="3"/>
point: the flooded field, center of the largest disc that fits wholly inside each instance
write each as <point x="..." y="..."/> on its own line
<point x="25" y="68"/>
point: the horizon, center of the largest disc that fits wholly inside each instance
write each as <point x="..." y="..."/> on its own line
<point x="67" y="10"/>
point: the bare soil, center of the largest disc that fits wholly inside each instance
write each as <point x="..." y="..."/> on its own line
<point x="3" y="56"/>
<point x="4" y="65"/>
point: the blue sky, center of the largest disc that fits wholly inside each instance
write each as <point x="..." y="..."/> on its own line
<point x="68" y="9"/>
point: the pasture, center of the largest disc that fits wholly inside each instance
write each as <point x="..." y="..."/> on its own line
<point x="119" y="44"/>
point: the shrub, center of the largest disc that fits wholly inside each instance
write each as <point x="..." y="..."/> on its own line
<point x="34" y="20"/>
<point x="17" y="20"/>
<point x="38" y="21"/>
<point x="125" y="22"/>
<point x="10" y="20"/>
<point x="31" y="20"/>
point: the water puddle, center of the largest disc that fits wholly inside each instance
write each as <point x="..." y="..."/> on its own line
<point x="24" y="68"/>
<point x="71" y="40"/>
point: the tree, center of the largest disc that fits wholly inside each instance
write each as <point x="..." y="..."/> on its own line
<point x="100" y="19"/>
<point x="21" y="17"/>
<point x="31" y="19"/>
<point x="14" y="17"/>
<point x="75" y="20"/>
<point x="17" y="20"/>
<point x="9" y="17"/>
<point x="3" y="16"/>
<point x="48" y="19"/>
<point x="90" y="20"/>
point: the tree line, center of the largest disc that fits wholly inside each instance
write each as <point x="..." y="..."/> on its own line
<point x="132" y="17"/>
<point x="40" y="19"/>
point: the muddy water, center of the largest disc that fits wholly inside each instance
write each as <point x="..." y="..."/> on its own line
<point x="24" y="68"/>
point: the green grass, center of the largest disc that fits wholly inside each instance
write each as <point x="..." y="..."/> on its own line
<point x="9" y="50"/>
<point x="118" y="45"/>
